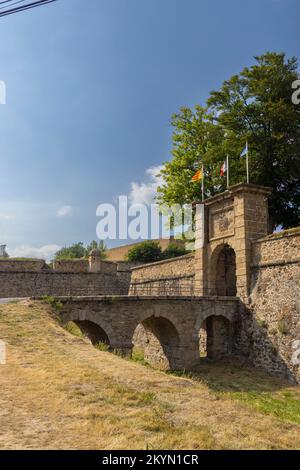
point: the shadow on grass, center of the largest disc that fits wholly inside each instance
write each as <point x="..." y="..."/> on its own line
<point x="235" y="379"/>
<point x="235" y="375"/>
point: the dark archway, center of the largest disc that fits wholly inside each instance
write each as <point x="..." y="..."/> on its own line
<point x="158" y="340"/>
<point x="92" y="331"/>
<point x="225" y="272"/>
<point x="215" y="338"/>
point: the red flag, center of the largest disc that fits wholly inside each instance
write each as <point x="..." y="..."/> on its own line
<point x="223" y="169"/>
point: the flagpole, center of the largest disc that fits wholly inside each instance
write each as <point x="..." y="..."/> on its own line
<point x="247" y="163"/>
<point x="202" y="183"/>
<point x="227" y="164"/>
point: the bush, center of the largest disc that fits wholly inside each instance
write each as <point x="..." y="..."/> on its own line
<point x="145" y="252"/>
<point x="49" y="299"/>
<point x="174" y="250"/>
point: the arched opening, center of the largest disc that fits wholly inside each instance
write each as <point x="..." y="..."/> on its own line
<point x="225" y="272"/>
<point x="93" y="332"/>
<point x="215" y="338"/>
<point x="156" y="340"/>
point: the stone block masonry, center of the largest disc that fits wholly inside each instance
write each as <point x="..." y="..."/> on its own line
<point x="275" y="303"/>
<point x="34" y="278"/>
<point x="175" y="276"/>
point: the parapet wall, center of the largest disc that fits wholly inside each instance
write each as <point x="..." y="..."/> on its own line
<point x="17" y="265"/>
<point x="71" y="266"/>
<point x="25" y="278"/>
<point x="175" y="274"/>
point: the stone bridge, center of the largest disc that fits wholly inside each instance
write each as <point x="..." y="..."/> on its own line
<point x="167" y="329"/>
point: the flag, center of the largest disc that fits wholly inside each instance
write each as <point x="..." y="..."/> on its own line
<point x="197" y="176"/>
<point x="245" y="151"/>
<point x="223" y="169"/>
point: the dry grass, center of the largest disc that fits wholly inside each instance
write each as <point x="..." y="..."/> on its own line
<point x="58" y="392"/>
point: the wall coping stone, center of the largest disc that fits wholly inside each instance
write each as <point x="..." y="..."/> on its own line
<point x="292" y="232"/>
<point x="51" y="272"/>
<point x="124" y="298"/>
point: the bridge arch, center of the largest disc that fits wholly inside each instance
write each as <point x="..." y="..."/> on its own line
<point x="222" y="275"/>
<point x="94" y="328"/>
<point x="159" y="340"/>
<point x="93" y="332"/>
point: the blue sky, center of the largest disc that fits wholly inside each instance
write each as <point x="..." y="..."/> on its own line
<point x="91" y="86"/>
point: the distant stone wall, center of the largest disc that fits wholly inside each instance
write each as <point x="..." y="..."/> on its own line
<point x="274" y="329"/>
<point x="174" y="275"/>
<point x="35" y="278"/>
<point x="29" y="284"/>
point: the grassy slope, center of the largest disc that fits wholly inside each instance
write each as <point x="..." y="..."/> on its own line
<point x="57" y="391"/>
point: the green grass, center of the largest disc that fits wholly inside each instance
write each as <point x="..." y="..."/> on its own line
<point x="102" y="346"/>
<point x="252" y="387"/>
<point x="72" y="328"/>
<point x="138" y="356"/>
<point x="283" y="405"/>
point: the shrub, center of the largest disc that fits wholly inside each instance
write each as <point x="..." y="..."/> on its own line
<point x="174" y="250"/>
<point x="145" y="252"/>
<point x="49" y="299"/>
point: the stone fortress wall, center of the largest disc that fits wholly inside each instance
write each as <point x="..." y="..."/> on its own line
<point x="238" y="259"/>
<point x="34" y="278"/>
<point x="173" y="276"/>
<point x="274" y="330"/>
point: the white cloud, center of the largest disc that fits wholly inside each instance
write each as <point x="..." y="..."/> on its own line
<point x="6" y="216"/>
<point x="24" y="251"/>
<point x="63" y="211"/>
<point x="145" y="192"/>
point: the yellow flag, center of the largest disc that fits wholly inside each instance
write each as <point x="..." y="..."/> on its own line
<point x="197" y="176"/>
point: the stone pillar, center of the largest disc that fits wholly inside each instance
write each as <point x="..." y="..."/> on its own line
<point x="251" y="222"/>
<point x="200" y="249"/>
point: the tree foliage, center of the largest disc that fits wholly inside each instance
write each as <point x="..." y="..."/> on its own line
<point x="79" y="250"/>
<point x="253" y="106"/>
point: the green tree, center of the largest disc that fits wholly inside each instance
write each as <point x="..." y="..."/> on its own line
<point x="94" y="245"/>
<point x="75" y="251"/>
<point x="145" y="252"/>
<point x="79" y="250"/>
<point x="254" y="105"/>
